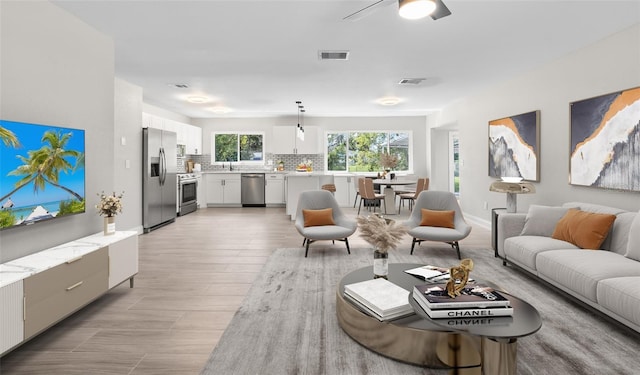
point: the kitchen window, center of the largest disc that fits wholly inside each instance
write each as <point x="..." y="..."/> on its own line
<point x="237" y="147"/>
<point x="357" y="151"/>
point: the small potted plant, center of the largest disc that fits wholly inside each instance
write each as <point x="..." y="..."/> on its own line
<point x="109" y="207"/>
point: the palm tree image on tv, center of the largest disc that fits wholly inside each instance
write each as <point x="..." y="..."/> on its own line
<point x="42" y="173"/>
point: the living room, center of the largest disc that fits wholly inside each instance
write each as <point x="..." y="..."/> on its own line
<point x="56" y="69"/>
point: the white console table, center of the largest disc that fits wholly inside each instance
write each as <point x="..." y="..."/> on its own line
<point x="39" y="290"/>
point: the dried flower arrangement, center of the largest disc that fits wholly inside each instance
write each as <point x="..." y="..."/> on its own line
<point x="388" y="161"/>
<point x="382" y="235"/>
<point x="110" y="205"/>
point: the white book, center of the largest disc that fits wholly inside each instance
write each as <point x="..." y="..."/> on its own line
<point x="487" y="312"/>
<point x="380" y="295"/>
<point x="388" y="317"/>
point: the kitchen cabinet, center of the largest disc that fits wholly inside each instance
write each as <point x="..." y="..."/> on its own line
<point x="285" y="140"/>
<point x="274" y="189"/>
<point x="193" y="140"/>
<point x="345" y="190"/>
<point x="11" y="315"/>
<point x="222" y="189"/>
<point x="186" y="134"/>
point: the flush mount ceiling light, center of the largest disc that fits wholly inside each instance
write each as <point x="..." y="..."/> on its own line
<point x="220" y="110"/>
<point x="197" y="99"/>
<point x="416" y="9"/>
<point x="388" y="101"/>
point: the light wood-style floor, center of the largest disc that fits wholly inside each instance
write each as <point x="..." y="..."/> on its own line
<point x="193" y="276"/>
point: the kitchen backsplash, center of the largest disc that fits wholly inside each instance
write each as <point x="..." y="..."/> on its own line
<point x="290" y="162"/>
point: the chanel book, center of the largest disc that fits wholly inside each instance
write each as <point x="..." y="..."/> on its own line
<point x="434" y="296"/>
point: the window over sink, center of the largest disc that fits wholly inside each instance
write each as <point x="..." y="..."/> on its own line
<point x="237" y="147"/>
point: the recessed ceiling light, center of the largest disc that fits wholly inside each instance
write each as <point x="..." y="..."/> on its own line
<point x="197" y="99"/>
<point x="220" y="109"/>
<point x="388" y="100"/>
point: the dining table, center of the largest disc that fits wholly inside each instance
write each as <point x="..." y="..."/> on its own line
<point x="386" y="187"/>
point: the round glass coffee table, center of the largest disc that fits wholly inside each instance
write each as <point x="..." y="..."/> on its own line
<point x="467" y="346"/>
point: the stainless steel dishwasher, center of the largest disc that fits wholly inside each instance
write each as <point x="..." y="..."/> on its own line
<point x="252" y="189"/>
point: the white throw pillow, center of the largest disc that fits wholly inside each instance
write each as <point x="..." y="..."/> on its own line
<point x="633" y="246"/>
<point x="542" y="220"/>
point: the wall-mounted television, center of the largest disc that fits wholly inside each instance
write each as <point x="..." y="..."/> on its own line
<point x="42" y="173"/>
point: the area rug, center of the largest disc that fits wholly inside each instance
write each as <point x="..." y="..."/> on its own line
<point x="287" y="324"/>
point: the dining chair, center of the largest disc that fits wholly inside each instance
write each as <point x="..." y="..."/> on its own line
<point x="422" y="184"/>
<point x="356" y="185"/>
<point x="371" y="198"/>
<point x="437" y="216"/>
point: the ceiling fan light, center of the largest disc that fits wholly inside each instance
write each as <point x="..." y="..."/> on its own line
<point x="416" y="9"/>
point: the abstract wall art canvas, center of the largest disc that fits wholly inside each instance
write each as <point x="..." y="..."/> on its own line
<point x="514" y="146"/>
<point x="605" y="141"/>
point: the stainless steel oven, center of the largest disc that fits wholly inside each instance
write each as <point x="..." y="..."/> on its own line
<point x="187" y="193"/>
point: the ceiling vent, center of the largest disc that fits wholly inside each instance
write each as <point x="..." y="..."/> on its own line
<point x="178" y="85"/>
<point x="411" y="81"/>
<point x="333" y="55"/>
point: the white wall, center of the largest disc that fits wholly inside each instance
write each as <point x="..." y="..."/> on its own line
<point x="417" y="125"/>
<point x="56" y="70"/>
<point x="610" y="65"/>
<point x="127" y="165"/>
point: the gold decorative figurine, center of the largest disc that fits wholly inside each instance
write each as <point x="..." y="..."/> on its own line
<point x="459" y="275"/>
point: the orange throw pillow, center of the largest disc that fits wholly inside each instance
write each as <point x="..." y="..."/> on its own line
<point x="586" y="230"/>
<point x="431" y="218"/>
<point x="314" y="218"/>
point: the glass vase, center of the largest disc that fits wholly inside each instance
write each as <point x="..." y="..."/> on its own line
<point x="380" y="264"/>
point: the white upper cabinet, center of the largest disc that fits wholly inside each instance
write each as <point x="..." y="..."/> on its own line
<point x="285" y="140"/>
<point x="188" y="135"/>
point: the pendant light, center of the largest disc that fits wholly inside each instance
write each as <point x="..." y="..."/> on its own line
<point x="300" y="129"/>
<point x="416" y="9"/>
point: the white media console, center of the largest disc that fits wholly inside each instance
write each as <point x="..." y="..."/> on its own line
<point x="41" y="289"/>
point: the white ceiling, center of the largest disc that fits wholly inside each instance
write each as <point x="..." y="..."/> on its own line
<point x="259" y="57"/>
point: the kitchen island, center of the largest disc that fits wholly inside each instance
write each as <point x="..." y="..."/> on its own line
<point x="297" y="182"/>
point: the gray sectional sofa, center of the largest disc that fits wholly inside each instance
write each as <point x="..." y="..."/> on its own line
<point x="607" y="279"/>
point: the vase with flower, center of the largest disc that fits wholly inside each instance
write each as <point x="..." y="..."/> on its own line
<point x="109" y="207"/>
<point x="383" y="234"/>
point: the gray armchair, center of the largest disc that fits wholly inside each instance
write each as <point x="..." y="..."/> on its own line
<point x="321" y="199"/>
<point x="437" y="201"/>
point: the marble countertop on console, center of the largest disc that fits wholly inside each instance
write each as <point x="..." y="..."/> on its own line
<point x="21" y="268"/>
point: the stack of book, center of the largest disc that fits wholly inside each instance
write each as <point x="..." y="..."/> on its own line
<point x="379" y="298"/>
<point x="474" y="301"/>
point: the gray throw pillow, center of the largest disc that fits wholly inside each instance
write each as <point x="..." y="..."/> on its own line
<point x="542" y="220"/>
<point x="633" y="246"/>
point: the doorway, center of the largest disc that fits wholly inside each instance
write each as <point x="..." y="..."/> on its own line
<point x="454" y="163"/>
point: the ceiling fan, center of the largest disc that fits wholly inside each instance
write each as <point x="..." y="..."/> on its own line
<point x="440" y="11"/>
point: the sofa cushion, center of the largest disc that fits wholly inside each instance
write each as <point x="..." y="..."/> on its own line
<point x="581" y="271"/>
<point x="621" y="295"/>
<point x="542" y="220"/>
<point x="633" y="243"/>
<point x="599" y="209"/>
<point x="584" y="229"/>
<point x="619" y="234"/>
<point x="523" y="249"/>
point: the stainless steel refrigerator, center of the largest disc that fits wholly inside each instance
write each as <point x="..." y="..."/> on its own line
<point x="159" y="180"/>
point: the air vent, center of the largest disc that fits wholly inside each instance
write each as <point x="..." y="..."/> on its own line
<point x="333" y="55"/>
<point x="411" y="81"/>
<point x="178" y="85"/>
